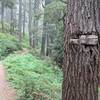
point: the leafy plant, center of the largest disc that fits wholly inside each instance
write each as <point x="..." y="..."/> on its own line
<point x="8" y="44"/>
<point x="33" y="78"/>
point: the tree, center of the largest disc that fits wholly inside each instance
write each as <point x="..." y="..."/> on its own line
<point x="53" y="30"/>
<point x="44" y="34"/>
<point x="2" y="14"/>
<point x="24" y="17"/>
<point x="81" y="50"/>
<point x="9" y="4"/>
<point x="20" y="21"/>
<point x="43" y="45"/>
<point x="36" y="20"/>
<point x="31" y="42"/>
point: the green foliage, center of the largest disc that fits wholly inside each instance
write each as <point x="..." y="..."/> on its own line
<point x="8" y="44"/>
<point x="25" y="41"/>
<point x="99" y="93"/>
<point x="58" y="49"/>
<point x="54" y="11"/>
<point x="6" y="27"/>
<point x="10" y="3"/>
<point x="33" y="78"/>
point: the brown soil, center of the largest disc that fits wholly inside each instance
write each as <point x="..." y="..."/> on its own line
<point x="6" y="92"/>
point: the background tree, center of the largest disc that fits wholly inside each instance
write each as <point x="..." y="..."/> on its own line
<point x="53" y="19"/>
<point x="24" y="16"/>
<point x="30" y="25"/>
<point x="20" y="21"/>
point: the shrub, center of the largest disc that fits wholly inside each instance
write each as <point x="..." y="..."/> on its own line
<point x="6" y="27"/>
<point x="8" y="44"/>
<point x="59" y="49"/>
<point x="34" y="79"/>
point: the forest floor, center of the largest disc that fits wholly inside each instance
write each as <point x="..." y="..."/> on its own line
<point x="6" y="92"/>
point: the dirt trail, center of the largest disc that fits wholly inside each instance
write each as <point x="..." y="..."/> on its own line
<point x="6" y="92"/>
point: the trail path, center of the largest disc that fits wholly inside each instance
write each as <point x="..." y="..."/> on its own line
<point x="6" y="92"/>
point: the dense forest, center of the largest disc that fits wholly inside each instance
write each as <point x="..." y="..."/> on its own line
<point x="49" y="49"/>
<point x="31" y="47"/>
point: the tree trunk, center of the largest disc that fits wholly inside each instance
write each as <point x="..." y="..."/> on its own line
<point x="48" y="46"/>
<point x="24" y="18"/>
<point x="43" y="45"/>
<point x="2" y="15"/>
<point x="81" y="60"/>
<point x="20" y="21"/>
<point x="31" y="37"/>
<point x="11" y="24"/>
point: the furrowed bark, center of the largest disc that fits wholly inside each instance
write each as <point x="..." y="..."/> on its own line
<point x="81" y="61"/>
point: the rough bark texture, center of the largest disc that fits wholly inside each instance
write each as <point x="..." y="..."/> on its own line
<point x="81" y="61"/>
<point x="12" y="23"/>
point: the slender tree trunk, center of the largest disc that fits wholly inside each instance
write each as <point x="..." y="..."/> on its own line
<point x="48" y="46"/>
<point x="35" y="21"/>
<point x="81" y="56"/>
<point x="2" y="15"/>
<point x="31" y="42"/>
<point x="11" y="24"/>
<point x="24" y="17"/>
<point x="20" y="21"/>
<point x="43" y="45"/>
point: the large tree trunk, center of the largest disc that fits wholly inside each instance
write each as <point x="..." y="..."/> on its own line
<point x="81" y="62"/>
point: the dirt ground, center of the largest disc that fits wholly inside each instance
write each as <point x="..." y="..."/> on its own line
<point x="6" y="92"/>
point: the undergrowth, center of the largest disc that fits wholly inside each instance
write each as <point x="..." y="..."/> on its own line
<point x="8" y="44"/>
<point x="33" y="78"/>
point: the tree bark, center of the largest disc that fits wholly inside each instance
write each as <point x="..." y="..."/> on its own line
<point x="20" y="21"/>
<point x="12" y="24"/>
<point x="2" y="15"/>
<point x="48" y="46"/>
<point x="24" y="18"/>
<point x="31" y="36"/>
<point x="43" y="45"/>
<point x="81" y="61"/>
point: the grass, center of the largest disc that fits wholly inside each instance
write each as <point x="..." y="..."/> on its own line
<point x="33" y="78"/>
